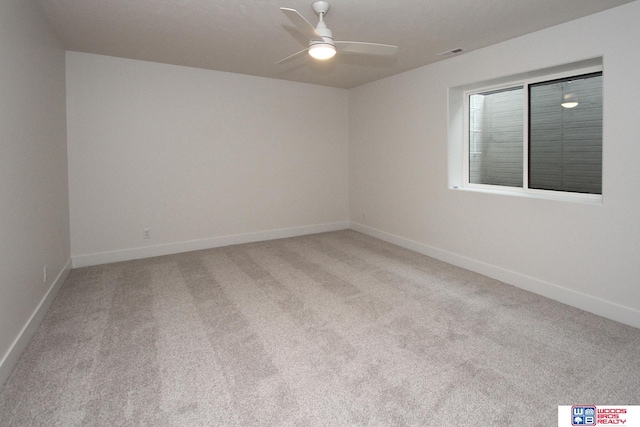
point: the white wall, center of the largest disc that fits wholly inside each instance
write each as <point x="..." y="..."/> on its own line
<point x="201" y="158"/>
<point x="583" y="254"/>
<point x="34" y="215"/>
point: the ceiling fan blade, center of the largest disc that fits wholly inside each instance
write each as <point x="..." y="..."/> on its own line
<point x="301" y="23"/>
<point x="366" y="48"/>
<point x="292" y="56"/>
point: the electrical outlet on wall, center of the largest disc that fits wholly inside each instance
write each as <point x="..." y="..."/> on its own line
<point x="146" y="233"/>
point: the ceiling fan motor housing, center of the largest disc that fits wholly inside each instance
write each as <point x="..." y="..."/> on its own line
<point x="321" y="8"/>
<point x="325" y="33"/>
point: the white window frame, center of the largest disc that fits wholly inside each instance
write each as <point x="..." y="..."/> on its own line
<point x="461" y="181"/>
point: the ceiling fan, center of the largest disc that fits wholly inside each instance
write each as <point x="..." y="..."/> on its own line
<point x="321" y="45"/>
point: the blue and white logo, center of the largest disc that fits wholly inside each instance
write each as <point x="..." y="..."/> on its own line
<point x="583" y="415"/>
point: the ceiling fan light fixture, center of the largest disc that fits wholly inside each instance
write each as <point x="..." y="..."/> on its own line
<point x="322" y="45"/>
<point x="569" y="104"/>
<point x="569" y="101"/>
<point x="322" y="51"/>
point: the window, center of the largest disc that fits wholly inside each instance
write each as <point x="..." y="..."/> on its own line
<point x="496" y="136"/>
<point x="537" y="134"/>
<point x="565" y="138"/>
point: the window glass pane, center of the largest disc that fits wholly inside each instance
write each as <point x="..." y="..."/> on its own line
<point x="565" y="135"/>
<point x="496" y="135"/>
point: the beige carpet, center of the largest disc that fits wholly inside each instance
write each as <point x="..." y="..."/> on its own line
<point x="329" y="329"/>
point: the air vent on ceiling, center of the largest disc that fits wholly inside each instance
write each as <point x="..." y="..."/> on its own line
<point x="452" y="52"/>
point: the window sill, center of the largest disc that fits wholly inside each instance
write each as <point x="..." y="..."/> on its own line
<point x="592" y="199"/>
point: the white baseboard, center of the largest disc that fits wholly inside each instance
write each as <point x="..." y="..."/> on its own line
<point x="196" y="245"/>
<point x="24" y="337"/>
<point x="610" y="310"/>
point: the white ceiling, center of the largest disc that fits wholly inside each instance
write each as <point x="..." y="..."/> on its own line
<point x="249" y="36"/>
